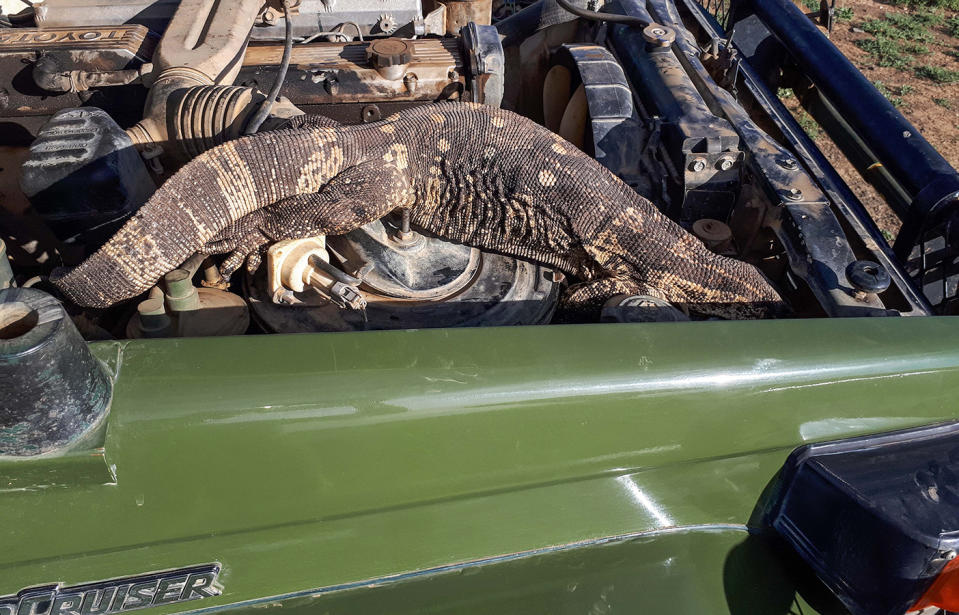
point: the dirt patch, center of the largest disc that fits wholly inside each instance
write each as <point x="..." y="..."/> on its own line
<point x="933" y="108"/>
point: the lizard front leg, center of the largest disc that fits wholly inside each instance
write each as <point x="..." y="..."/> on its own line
<point x="357" y="196"/>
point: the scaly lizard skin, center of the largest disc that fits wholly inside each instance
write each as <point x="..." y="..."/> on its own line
<point x="469" y="173"/>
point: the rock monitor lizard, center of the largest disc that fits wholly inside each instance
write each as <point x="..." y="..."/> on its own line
<point x="468" y="173"/>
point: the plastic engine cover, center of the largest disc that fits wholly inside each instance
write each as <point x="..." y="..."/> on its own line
<point x="83" y="173"/>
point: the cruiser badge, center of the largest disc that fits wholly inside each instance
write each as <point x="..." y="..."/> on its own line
<point x="116" y="595"/>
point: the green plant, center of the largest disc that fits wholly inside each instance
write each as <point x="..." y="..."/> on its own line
<point x="895" y="97"/>
<point x="902" y="26"/>
<point x="899" y="37"/>
<point x="809" y="125"/>
<point x="951" y="5"/>
<point x="844" y="13"/>
<point x="943" y="102"/>
<point x="886" y="52"/>
<point x="928" y="16"/>
<point x="952" y="25"/>
<point x="784" y="93"/>
<point x="938" y="74"/>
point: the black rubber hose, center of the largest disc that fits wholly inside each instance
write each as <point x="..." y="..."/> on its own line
<point x="628" y="20"/>
<point x="261" y="114"/>
<point x="518" y="26"/>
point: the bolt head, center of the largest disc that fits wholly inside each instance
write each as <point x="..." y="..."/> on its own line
<point x="697" y="165"/>
<point x="794" y="194"/>
<point x="787" y="163"/>
<point x="726" y="163"/>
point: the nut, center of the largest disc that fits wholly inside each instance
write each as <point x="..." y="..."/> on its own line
<point x="659" y="36"/>
<point x="332" y="86"/>
<point x="410" y="81"/>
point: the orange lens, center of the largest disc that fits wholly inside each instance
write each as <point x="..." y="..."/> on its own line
<point x="944" y="591"/>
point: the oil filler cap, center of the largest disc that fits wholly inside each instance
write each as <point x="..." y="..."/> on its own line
<point x="387" y="52"/>
<point x="53" y="391"/>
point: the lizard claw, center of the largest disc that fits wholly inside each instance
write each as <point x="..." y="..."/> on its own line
<point x="248" y="250"/>
<point x="253" y="261"/>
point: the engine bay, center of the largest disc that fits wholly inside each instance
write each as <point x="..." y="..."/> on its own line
<point x="101" y="103"/>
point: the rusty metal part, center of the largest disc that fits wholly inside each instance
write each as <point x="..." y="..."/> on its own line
<point x="330" y="73"/>
<point x="49" y="76"/>
<point x="461" y="12"/>
<point x="211" y="275"/>
<point x="92" y="52"/>
<point x="121" y="38"/>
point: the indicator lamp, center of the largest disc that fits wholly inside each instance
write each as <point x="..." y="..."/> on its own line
<point x="877" y="518"/>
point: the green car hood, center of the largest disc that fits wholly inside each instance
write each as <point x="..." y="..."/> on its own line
<point x="540" y="469"/>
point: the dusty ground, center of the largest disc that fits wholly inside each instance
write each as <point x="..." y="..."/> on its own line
<point x="932" y="107"/>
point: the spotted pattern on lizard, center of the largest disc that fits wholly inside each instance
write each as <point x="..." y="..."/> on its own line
<point x="468" y="173"/>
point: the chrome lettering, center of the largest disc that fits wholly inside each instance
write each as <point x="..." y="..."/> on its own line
<point x="116" y="595"/>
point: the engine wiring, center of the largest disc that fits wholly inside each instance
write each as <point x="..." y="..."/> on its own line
<point x="338" y="32"/>
<point x="261" y="114"/>
<point x="628" y="20"/>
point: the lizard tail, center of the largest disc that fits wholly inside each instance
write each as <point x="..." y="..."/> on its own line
<point x="207" y="195"/>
